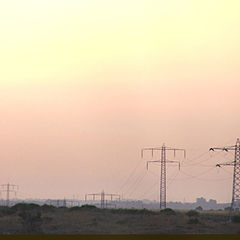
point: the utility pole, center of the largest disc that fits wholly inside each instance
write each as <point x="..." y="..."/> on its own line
<point x="9" y="188"/>
<point x="103" y="198"/>
<point x="163" y="170"/>
<point x="236" y="173"/>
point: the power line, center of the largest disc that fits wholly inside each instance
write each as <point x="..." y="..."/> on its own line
<point x="130" y="175"/>
<point x="163" y="161"/>
<point x="9" y="188"/>
<point x="136" y="184"/>
<point x="103" y="198"/>
<point x="236" y="173"/>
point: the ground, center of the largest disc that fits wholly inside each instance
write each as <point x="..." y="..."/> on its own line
<point x="33" y="219"/>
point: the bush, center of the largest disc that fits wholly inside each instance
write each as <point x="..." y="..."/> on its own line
<point x="236" y="219"/>
<point x="168" y="211"/>
<point x="192" y="213"/>
<point x="199" y="208"/>
<point x="193" y="221"/>
<point x="133" y="211"/>
<point x="31" y="220"/>
<point x="76" y="208"/>
<point x="48" y="208"/>
<point x="5" y="211"/>
<point x="62" y="207"/>
<point x="25" y="206"/>
<point x="86" y="206"/>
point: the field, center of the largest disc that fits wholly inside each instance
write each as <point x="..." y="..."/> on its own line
<point x="33" y="219"/>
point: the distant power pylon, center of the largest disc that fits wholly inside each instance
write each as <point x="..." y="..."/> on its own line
<point x="9" y="188"/>
<point x="236" y="173"/>
<point x="103" y="198"/>
<point x="163" y="161"/>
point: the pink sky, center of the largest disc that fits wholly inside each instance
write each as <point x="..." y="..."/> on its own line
<point x="60" y="140"/>
<point x="86" y="87"/>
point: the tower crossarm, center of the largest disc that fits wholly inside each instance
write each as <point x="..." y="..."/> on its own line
<point x="226" y="149"/>
<point x="92" y="194"/>
<point x="167" y="161"/>
<point x="236" y="173"/>
<point x="150" y="149"/>
<point x="109" y="194"/>
<point x="170" y="161"/>
<point x="177" y="149"/>
<point x="163" y="166"/>
<point x="152" y="162"/>
<point x="225" y="164"/>
<point x="161" y="148"/>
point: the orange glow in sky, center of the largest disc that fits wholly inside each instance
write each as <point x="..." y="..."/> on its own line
<point x="86" y="84"/>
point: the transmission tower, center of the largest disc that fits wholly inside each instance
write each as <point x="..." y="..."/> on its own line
<point x="163" y="170"/>
<point x="103" y="198"/>
<point x="236" y="173"/>
<point x="8" y="188"/>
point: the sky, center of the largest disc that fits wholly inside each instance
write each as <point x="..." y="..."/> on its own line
<point x="84" y="85"/>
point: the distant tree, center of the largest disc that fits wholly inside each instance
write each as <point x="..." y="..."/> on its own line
<point x="31" y="220"/>
<point x="199" y="208"/>
<point x="192" y="213"/>
<point x="25" y="206"/>
<point x="168" y="211"/>
<point x="227" y="208"/>
<point x="48" y="208"/>
<point x="87" y="206"/>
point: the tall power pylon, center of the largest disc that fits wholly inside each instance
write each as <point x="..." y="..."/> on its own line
<point x="163" y="161"/>
<point x="103" y="196"/>
<point x="9" y="188"/>
<point x="236" y="173"/>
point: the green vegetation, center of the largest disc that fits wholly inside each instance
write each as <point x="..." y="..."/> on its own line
<point x="168" y="211"/>
<point x="83" y="208"/>
<point x="87" y="219"/>
<point x="236" y="219"/>
<point x="133" y="211"/>
<point x="193" y="221"/>
<point x="192" y="213"/>
<point x="25" y="206"/>
<point x="5" y="211"/>
<point x="31" y="221"/>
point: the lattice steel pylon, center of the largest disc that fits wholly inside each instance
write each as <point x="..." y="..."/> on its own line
<point x="103" y="200"/>
<point x="236" y="173"/>
<point x="8" y="188"/>
<point x="163" y="171"/>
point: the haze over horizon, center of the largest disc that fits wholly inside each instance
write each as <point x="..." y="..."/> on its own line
<point x="86" y="84"/>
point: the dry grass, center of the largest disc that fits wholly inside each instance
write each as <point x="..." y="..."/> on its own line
<point x="107" y="221"/>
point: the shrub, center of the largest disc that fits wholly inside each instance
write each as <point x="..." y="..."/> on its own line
<point x="31" y="220"/>
<point x="87" y="206"/>
<point x="132" y="211"/>
<point x="199" y="208"/>
<point x="62" y="207"/>
<point x="168" y="211"/>
<point x="5" y="211"/>
<point x="236" y="219"/>
<point x="48" y="208"/>
<point x="192" y="213"/>
<point x="193" y="221"/>
<point x="77" y="208"/>
<point x="25" y="206"/>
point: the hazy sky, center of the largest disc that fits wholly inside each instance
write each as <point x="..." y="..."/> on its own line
<point x="86" y="84"/>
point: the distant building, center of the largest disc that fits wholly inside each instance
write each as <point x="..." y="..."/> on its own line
<point x="201" y="201"/>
